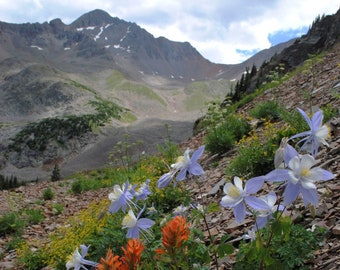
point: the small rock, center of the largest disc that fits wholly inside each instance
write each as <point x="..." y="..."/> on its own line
<point x="217" y="187"/>
<point x="336" y="229"/>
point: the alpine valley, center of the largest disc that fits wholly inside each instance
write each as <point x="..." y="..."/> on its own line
<point x="69" y="93"/>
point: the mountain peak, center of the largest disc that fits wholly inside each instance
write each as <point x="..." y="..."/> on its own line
<point x="94" y="17"/>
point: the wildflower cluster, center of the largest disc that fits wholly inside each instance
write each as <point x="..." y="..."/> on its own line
<point x="122" y="197"/>
<point x="126" y="198"/>
<point x="294" y="170"/>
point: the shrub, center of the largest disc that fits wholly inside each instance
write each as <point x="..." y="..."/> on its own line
<point x="268" y="110"/>
<point x="222" y="137"/>
<point x="30" y="260"/>
<point x="255" y="155"/>
<point x="47" y="194"/>
<point x="165" y="200"/>
<point x="33" y="216"/>
<point x="219" y="140"/>
<point x="77" y="187"/>
<point x="11" y="223"/>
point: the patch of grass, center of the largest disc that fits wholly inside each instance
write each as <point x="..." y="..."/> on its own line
<point x="82" y="86"/>
<point x="195" y="101"/>
<point x="57" y="208"/>
<point x="115" y="79"/>
<point x="128" y="117"/>
<point x="141" y="90"/>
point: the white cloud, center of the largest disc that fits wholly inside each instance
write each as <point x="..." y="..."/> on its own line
<point x="218" y="29"/>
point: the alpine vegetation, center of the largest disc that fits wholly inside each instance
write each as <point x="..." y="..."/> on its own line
<point x="171" y="240"/>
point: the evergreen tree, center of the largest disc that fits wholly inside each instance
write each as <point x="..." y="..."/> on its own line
<point x="55" y="173"/>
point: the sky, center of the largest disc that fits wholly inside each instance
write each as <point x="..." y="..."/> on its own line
<point x="223" y="31"/>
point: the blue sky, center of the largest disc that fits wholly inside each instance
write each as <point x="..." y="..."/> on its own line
<point x="223" y="31"/>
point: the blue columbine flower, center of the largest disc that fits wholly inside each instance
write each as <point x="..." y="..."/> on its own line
<point x="316" y="135"/>
<point x="187" y="165"/>
<point x="136" y="225"/>
<point x="300" y="178"/>
<point x="236" y="196"/>
<point x="77" y="261"/>
<point x="266" y="213"/>
<point x="121" y="197"/>
<point x="183" y="166"/>
<point x="142" y="192"/>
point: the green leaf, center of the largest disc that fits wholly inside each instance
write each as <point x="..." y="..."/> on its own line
<point x="224" y="249"/>
<point x="213" y="207"/>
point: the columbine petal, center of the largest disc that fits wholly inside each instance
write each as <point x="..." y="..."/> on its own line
<point x="256" y="203"/>
<point x="196" y="169"/>
<point x="197" y="154"/>
<point x="253" y="185"/>
<point x="271" y="198"/>
<point x="132" y="233"/>
<point x="316" y="121"/>
<point x="164" y="180"/>
<point x="240" y="212"/>
<point x="322" y="134"/>
<point x="307" y="185"/>
<point x="307" y="162"/>
<point x="295" y="164"/>
<point x="262" y="221"/>
<point x="309" y="122"/>
<point x="84" y="250"/>
<point x="288" y="153"/>
<point x="228" y="201"/>
<point x="145" y="223"/>
<point x="238" y="183"/>
<point x="182" y="174"/>
<point x="310" y="196"/>
<point x="291" y="193"/>
<point x="278" y="175"/>
<point x="320" y="174"/>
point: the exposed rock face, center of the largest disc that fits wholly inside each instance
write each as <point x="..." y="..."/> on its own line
<point x="324" y="34"/>
<point x="113" y="43"/>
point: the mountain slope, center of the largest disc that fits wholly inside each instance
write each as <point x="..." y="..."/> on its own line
<point x="56" y="71"/>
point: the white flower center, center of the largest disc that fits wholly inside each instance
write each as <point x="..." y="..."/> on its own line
<point x="233" y="191"/>
<point x="129" y="220"/>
